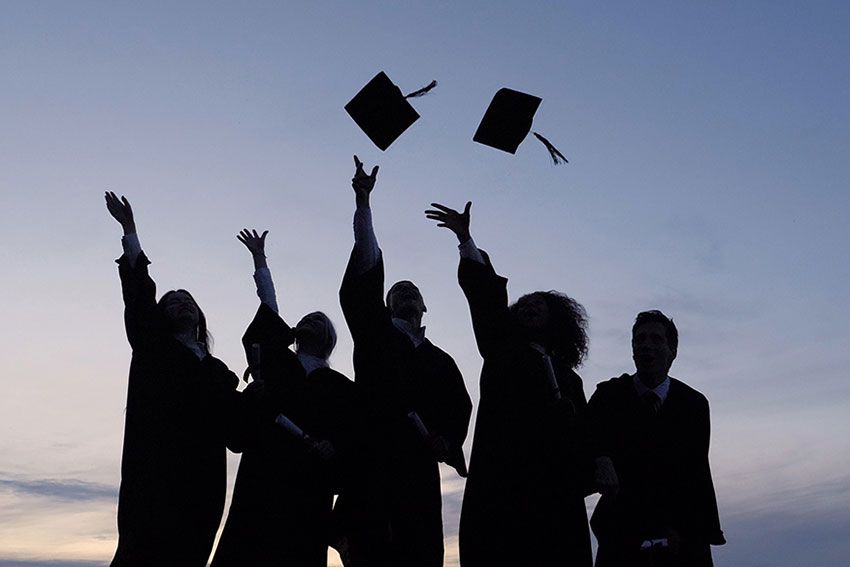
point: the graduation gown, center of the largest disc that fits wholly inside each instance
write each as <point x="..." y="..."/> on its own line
<point x="524" y="498"/>
<point x="397" y="378"/>
<point x="283" y="496"/>
<point x="173" y="469"/>
<point x="662" y="465"/>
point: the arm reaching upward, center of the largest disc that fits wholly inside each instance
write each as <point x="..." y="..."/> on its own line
<point x="122" y="212"/>
<point x="366" y="250"/>
<point x="458" y="223"/>
<point x="256" y="244"/>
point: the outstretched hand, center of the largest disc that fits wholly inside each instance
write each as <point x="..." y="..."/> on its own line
<point x="451" y="219"/>
<point x="362" y="183"/>
<point x="121" y="211"/>
<point x="254" y="242"/>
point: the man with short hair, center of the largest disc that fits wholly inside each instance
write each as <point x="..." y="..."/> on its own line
<point x="421" y="407"/>
<point x="651" y="436"/>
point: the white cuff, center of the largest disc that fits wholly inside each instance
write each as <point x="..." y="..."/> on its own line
<point x="132" y="247"/>
<point x="470" y="251"/>
<point x="265" y="287"/>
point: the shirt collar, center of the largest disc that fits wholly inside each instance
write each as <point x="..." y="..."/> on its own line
<point x="415" y="335"/>
<point x="310" y="362"/>
<point x="660" y="390"/>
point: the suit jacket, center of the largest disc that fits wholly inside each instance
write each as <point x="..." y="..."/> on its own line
<point x="661" y="461"/>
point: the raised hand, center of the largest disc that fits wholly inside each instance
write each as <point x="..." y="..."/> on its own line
<point x="254" y="242"/>
<point x="362" y="183"/>
<point x="451" y="219"/>
<point x="121" y="211"/>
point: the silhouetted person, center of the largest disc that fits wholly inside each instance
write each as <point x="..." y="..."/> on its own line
<point x="652" y="434"/>
<point x="283" y="496"/>
<point x="179" y="401"/>
<point x="402" y="372"/>
<point x="524" y="499"/>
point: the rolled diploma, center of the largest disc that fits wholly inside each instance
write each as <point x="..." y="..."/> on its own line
<point x="287" y="424"/>
<point x="417" y="421"/>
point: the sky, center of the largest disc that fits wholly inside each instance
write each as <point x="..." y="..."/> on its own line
<point x="709" y="148"/>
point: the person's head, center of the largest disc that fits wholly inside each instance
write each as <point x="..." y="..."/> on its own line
<point x="655" y="342"/>
<point x="315" y="334"/>
<point x="182" y="314"/>
<point x="405" y="301"/>
<point x="556" y="320"/>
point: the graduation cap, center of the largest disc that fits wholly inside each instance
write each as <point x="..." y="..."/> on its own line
<point x="382" y="112"/>
<point x="507" y="122"/>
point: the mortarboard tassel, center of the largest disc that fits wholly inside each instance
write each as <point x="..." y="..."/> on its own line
<point x="553" y="151"/>
<point x="422" y="91"/>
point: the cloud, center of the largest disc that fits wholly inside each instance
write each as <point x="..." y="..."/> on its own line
<point x="60" y="489"/>
<point x="48" y="563"/>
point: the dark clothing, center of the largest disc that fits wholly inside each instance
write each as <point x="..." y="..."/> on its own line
<point x="173" y="470"/>
<point x="524" y="498"/>
<point x="283" y="496"/>
<point x="397" y="378"/>
<point x="661" y="460"/>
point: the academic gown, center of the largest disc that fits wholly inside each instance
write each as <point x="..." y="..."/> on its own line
<point x="173" y="469"/>
<point x="662" y="466"/>
<point x="283" y="496"/>
<point x="397" y="378"/>
<point x="530" y="468"/>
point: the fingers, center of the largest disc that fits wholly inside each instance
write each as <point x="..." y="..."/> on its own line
<point x="374" y="171"/>
<point x="263" y="237"/>
<point x="357" y="163"/>
<point x="468" y="206"/>
<point x="443" y="208"/>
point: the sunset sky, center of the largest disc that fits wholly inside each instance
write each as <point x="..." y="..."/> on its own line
<point x="709" y="177"/>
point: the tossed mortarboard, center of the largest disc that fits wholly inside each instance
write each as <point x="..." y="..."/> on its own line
<point x="382" y="112"/>
<point x="507" y="122"/>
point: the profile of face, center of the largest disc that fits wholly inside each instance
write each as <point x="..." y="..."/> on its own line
<point x="180" y="309"/>
<point x="650" y="350"/>
<point x="315" y="334"/>
<point x="532" y="312"/>
<point x="405" y="300"/>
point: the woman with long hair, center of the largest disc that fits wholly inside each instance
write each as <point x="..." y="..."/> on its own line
<point x="297" y="440"/>
<point x="179" y="401"/>
<point x="530" y="467"/>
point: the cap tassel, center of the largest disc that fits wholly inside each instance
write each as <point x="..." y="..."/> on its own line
<point x="553" y="151"/>
<point x="422" y="91"/>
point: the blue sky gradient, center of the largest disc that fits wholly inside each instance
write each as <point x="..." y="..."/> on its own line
<point x="709" y="149"/>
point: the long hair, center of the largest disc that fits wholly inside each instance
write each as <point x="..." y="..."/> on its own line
<point x="327" y="340"/>
<point x="204" y="336"/>
<point x="566" y="332"/>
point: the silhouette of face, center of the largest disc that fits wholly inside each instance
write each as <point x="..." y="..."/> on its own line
<point x="181" y="310"/>
<point x="650" y="351"/>
<point x="405" y="300"/>
<point x="532" y="313"/>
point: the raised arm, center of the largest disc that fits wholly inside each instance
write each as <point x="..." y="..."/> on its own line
<point x="256" y="245"/>
<point x="485" y="290"/>
<point x="137" y="287"/>
<point x="366" y="251"/>
<point x="361" y="293"/>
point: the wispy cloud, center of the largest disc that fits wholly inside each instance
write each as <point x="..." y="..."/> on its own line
<point x="60" y="489"/>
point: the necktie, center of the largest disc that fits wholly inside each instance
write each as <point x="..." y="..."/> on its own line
<point x="652" y="401"/>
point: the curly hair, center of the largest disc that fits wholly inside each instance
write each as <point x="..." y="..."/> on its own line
<point x="567" y="329"/>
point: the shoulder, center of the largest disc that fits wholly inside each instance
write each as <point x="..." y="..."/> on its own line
<point x="437" y="353"/>
<point x="687" y="393"/>
<point x="615" y="384"/>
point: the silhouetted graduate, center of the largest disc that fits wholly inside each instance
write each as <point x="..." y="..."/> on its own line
<point x="283" y="496"/>
<point x="402" y="372"/>
<point x="180" y="400"/>
<point x="651" y="437"/>
<point x="530" y="467"/>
